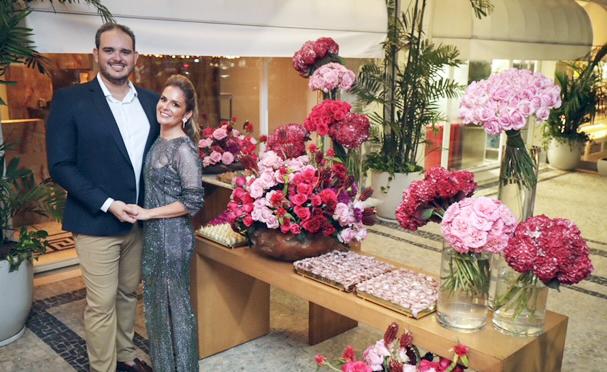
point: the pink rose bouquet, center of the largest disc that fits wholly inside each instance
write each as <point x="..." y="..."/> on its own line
<point x="330" y="77"/>
<point x="225" y="145"/>
<point x="502" y="103"/>
<point x="396" y="354"/>
<point x="472" y="227"/>
<point x="428" y="199"/>
<point x="550" y="250"/>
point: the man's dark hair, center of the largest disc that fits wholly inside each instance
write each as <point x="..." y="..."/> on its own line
<point x="113" y="26"/>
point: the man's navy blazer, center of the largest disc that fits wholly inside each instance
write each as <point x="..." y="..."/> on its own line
<point x="88" y="158"/>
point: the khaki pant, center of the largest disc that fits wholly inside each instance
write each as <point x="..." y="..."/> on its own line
<point x="111" y="268"/>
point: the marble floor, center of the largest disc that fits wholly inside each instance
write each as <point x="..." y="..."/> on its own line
<point x="53" y="340"/>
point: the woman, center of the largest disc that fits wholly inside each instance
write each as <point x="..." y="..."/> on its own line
<point x="173" y="193"/>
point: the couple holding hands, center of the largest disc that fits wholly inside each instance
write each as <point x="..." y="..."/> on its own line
<point x="128" y="160"/>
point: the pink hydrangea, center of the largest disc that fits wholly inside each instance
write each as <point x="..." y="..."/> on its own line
<point x="504" y="101"/>
<point x="478" y="225"/>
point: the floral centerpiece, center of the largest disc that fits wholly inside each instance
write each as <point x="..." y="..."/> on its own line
<point x="395" y="354"/>
<point x="543" y="250"/>
<point x="473" y="228"/>
<point x="226" y="148"/>
<point x="302" y="197"/>
<point x="427" y="199"/>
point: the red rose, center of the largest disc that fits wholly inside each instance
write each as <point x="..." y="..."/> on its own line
<point x="316" y="200"/>
<point x="277" y="198"/>
<point x="461" y="350"/>
<point x="313" y="224"/>
<point x="328" y="196"/>
<point x="286" y="226"/>
<point x="304" y="188"/>
<point x="295" y="229"/>
<point x="298" y="199"/>
<point x="328" y="230"/>
<point x="248" y="221"/>
<point x="207" y="132"/>
<point x="302" y="212"/>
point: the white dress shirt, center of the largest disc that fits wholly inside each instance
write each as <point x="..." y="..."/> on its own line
<point x="134" y="128"/>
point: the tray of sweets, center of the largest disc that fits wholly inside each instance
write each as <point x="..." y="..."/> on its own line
<point x="222" y="234"/>
<point x="407" y="292"/>
<point x="341" y="270"/>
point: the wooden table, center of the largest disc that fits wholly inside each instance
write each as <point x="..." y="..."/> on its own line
<point x="231" y="296"/>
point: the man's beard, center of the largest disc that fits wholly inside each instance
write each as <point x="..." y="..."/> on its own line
<point x="116" y="81"/>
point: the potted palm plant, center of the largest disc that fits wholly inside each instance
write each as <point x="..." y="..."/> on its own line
<point x="579" y="91"/>
<point x="408" y="91"/>
<point x="20" y="193"/>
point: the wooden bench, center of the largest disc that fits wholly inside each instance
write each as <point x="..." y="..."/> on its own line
<point x="231" y="297"/>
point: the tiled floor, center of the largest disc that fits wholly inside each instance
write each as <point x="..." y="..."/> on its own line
<point x="54" y="338"/>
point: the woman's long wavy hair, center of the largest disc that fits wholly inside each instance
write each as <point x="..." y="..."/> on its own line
<point x="191" y="104"/>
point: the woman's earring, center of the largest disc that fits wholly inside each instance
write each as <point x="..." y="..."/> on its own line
<point x="184" y="121"/>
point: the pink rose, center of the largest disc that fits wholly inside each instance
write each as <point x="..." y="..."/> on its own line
<point x="220" y="133"/>
<point x="205" y="142"/>
<point x="227" y="158"/>
<point x="215" y="157"/>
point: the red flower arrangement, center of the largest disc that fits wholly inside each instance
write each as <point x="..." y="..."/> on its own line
<point x="428" y="199"/>
<point x="551" y="248"/>
<point x="326" y="114"/>
<point x="225" y="145"/>
<point x="288" y="141"/>
<point x="297" y="196"/>
<point x="396" y="354"/>
<point x="307" y="58"/>
<point x="333" y="118"/>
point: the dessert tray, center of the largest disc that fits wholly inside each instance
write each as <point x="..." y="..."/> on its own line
<point x="407" y="292"/>
<point x="341" y="270"/>
<point x="222" y="234"/>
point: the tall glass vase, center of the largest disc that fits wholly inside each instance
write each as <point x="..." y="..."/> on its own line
<point x="521" y="310"/>
<point x="464" y="286"/>
<point x="517" y="185"/>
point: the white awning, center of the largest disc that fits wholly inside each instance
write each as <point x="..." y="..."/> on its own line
<point x="597" y="11"/>
<point x="218" y="27"/>
<point x="517" y="29"/>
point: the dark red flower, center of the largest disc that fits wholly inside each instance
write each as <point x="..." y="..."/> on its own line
<point x="390" y="334"/>
<point x="461" y="350"/>
<point x="313" y="224"/>
<point x="288" y="141"/>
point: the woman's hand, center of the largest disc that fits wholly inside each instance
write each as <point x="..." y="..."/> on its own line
<point x="141" y="214"/>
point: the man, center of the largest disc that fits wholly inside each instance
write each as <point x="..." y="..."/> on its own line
<point x="97" y="136"/>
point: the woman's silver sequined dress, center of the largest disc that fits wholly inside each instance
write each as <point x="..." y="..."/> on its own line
<point x="172" y="172"/>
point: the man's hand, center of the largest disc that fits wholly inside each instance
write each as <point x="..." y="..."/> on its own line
<point x="123" y="212"/>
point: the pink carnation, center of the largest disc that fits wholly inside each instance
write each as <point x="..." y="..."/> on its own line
<point x="478" y="225"/>
<point x="330" y="77"/>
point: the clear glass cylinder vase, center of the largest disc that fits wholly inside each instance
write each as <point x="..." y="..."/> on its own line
<point x="521" y="309"/>
<point x="516" y="189"/>
<point x="463" y="292"/>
